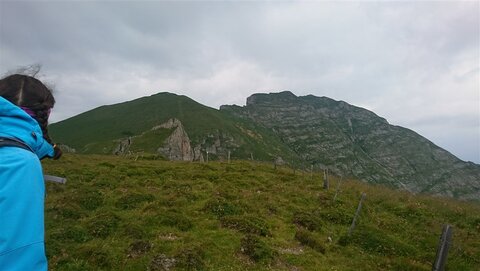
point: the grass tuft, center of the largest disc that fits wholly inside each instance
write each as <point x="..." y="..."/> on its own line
<point x="256" y="249"/>
<point x="103" y="225"/>
<point x="310" y="221"/>
<point x="190" y="259"/>
<point x="306" y="238"/>
<point x="132" y="201"/>
<point x="221" y="207"/>
<point x="246" y="224"/>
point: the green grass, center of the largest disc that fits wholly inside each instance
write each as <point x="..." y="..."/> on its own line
<point x="119" y="214"/>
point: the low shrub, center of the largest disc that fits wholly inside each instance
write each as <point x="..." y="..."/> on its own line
<point x="190" y="259"/>
<point x="246" y="224"/>
<point x="220" y="207"/>
<point x="75" y="234"/>
<point x="135" y="231"/>
<point x="256" y="249"/>
<point x="376" y="241"/>
<point x="89" y="200"/>
<point x="103" y="225"/>
<point x="344" y="240"/>
<point x="405" y="264"/>
<point x="308" y="239"/>
<point x="96" y="257"/>
<point x="138" y="248"/>
<point x="67" y="211"/>
<point x="132" y="201"/>
<point x="310" y="221"/>
<point x="337" y="216"/>
<point x="73" y="265"/>
<point x="176" y="220"/>
<point x="106" y="164"/>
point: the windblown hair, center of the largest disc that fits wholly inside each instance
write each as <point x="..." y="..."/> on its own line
<point x="27" y="91"/>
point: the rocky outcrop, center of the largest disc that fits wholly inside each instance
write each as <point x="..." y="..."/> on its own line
<point x="123" y="146"/>
<point x="216" y="143"/>
<point x="177" y="146"/>
<point x="66" y="148"/>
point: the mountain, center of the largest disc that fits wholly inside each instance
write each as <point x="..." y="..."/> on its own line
<point x="174" y="126"/>
<point x="310" y="132"/>
<point x="354" y="141"/>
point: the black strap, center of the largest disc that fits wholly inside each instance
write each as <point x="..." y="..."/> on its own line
<point x="8" y="142"/>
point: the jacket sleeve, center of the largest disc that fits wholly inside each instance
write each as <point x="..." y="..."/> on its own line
<point x="44" y="149"/>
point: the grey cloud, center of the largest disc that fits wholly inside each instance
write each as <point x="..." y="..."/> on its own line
<point x="408" y="62"/>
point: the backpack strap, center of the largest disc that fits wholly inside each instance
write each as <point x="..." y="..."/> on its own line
<point x="10" y="142"/>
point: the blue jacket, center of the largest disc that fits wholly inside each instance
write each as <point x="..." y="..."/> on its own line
<point x="22" y="192"/>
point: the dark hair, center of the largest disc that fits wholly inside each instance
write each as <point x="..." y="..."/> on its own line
<point x="27" y="91"/>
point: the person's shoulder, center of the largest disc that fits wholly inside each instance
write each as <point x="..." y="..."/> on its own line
<point x="15" y="156"/>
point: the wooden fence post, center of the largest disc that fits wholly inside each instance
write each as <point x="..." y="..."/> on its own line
<point x="326" y="184"/>
<point x="356" y="214"/>
<point x="229" y="157"/>
<point x="442" y="250"/>
<point x="338" y="188"/>
<point x="207" y="157"/>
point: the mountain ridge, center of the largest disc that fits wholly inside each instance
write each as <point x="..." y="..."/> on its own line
<point x="304" y="131"/>
<point x="377" y="151"/>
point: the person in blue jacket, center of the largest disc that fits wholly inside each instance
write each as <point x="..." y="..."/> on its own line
<point x="25" y="105"/>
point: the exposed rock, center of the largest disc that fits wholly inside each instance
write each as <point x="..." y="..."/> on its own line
<point x="66" y="148"/>
<point x="162" y="263"/>
<point x="177" y="146"/>
<point x="123" y="146"/>
<point x="197" y="151"/>
<point x="279" y="161"/>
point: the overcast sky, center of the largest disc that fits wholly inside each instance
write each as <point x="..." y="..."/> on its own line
<point x="414" y="63"/>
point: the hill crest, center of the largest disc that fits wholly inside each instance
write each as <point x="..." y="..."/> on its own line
<point x="304" y="131"/>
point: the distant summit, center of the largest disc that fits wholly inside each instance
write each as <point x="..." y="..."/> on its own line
<point x="280" y="97"/>
<point x="302" y="131"/>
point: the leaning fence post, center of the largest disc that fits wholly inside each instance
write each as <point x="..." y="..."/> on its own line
<point x="338" y="188"/>
<point x="326" y="185"/>
<point x="54" y="179"/>
<point x="356" y="214"/>
<point x="442" y="250"/>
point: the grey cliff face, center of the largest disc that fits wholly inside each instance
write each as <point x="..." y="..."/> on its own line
<point x="350" y="140"/>
<point x="177" y="146"/>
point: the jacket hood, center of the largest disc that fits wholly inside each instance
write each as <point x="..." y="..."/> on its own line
<point x="17" y="124"/>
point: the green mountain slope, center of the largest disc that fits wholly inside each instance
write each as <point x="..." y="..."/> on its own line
<point x="116" y="213"/>
<point x="102" y="129"/>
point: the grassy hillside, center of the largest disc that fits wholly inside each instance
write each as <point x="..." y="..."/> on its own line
<point x="98" y="130"/>
<point x="120" y="214"/>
